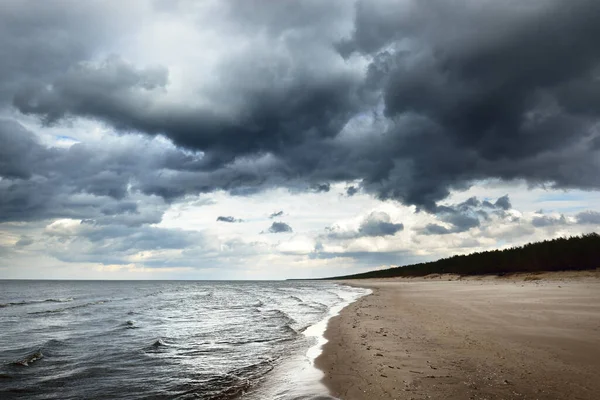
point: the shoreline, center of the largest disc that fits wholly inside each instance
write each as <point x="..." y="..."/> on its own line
<point x="444" y="337"/>
<point x="296" y="375"/>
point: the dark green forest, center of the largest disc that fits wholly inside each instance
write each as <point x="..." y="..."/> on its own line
<point x="562" y="254"/>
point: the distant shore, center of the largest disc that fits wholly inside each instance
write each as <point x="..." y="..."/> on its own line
<point x="525" y="336"/>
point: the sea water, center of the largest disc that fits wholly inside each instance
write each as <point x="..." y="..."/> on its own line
<point x="165" y="339"/>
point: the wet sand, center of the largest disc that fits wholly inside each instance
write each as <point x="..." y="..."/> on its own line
<point x="535" y="337"/>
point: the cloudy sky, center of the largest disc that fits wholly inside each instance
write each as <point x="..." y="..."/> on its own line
<point x="255" y="139"/>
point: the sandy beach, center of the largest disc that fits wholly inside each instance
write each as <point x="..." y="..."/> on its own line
<point x="524" y="337"/>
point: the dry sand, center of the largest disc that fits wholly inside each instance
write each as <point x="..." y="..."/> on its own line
<point x="532" y="337"/>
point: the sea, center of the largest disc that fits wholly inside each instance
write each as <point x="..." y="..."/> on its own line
<point x="165" y="339"/>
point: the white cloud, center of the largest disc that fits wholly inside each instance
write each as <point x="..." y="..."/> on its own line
<point x="190" y="243"/>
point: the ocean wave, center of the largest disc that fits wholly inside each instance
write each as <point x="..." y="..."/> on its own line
<point x="159" y="345"/>
<point x="28" y="302"/>
<point x="63" y="309"/>
<point x="288" y="329"/>
<point x="29" y="359"/>
<point x="228" y="307"/>
<point x="246" y="341"/>
<point x="24" y="357"/>
<point x="313" y="308"/>
<point x="280" y="314"/>
<point x="230" y="385"/>
<point x="259" y="303"/>
<point x="153" y="294"/>
<point x="130" y="324"/>
<point x="339" y="298"/>
<point x="315" y="305"/>
<point x="280" y="339"/>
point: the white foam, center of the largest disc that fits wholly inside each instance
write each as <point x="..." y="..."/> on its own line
<point x="297" y="377"/>
<point x="318" y="330"/>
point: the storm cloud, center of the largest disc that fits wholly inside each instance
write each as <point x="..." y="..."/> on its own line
<point x="131" y="181"/>
<point x="466" y="215"/>
<point x="411" y="99"/>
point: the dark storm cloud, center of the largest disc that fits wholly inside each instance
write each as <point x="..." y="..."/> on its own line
<point x="79" y="182"/>
<point x="38" y="40"/>
<point x="116" y="184"/>
<point x="120" y="94"/>
<point x="279" y="227"/>
<point x="129" y="182"/>
<point x="464" y="216"/>
<point x="453" y="68"/>
<point x="96" y="90"/>
<point x="469" y="91"/>
<point x="18" y="150"/>
<point x="228" y="219"/>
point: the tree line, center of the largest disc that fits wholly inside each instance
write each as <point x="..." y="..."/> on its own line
<point x="561" y="254"/>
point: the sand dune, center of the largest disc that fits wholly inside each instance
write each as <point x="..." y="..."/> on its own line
<point x="489" y="338"/>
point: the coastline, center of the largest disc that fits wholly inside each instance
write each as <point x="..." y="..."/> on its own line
<point x="443" y="337"/>
<point x="296" y="376"/>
